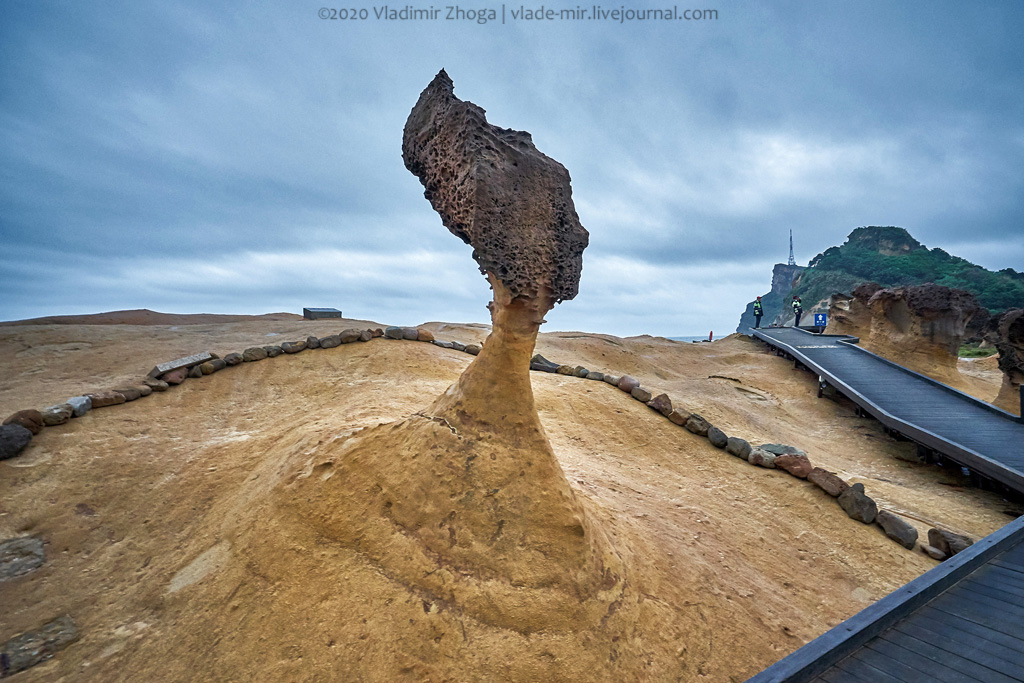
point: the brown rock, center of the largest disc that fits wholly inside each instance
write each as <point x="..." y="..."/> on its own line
<point x="827" y="481"/>
<point x="857" y="504"/>
<point x="174" y="377"/>
<point x="216" y="365"/>
<point x="628" y="384"/>
<point x="156" y="384"/>
<point x="662" y="403"/>
<point x="330" y="341"/>
<point x="565" y="370"/>
<point x="1006" y="333"/>
<point x="581" y="372"/>
<point x="377" y="332"/>
<point x="797" y="465"/>
<point x="350" y="335"/>
<point x="195" y="372"/>
<point x="424" y="335"/>
<point x="697" y="424"/>
<point x="293" y="347"/>
<point x="473" y="349"/>
<point x="273" y="351"/>
<point x="102" y="399"/>
<point x="57" y="415"/>
<point x="496" y="192"/>
<point x="129" y="393"/>
<point x="898" y="529"/>
<point x="640" y="394"/>
<point x="32" y="420"/>
<point x="611" y="379"/>
<point x="948" y="542"/>
<point x="761" y="458"/>
<point x="920" y="327"/>
<point x="312" y="342"/>
<point x="365" y="335"/>
<point x="235" y="358"/>
<point x="678" y="418"/>
<point x="934" y="553"/>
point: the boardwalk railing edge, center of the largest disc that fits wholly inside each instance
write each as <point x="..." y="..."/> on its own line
<point x="834" y="645"/>
<point x="966" y="456"/>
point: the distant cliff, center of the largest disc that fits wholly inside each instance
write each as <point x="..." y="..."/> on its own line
<point x="891" y="257"/>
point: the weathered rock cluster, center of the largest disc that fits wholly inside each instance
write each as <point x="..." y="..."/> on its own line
<point x="1006" y="333"/>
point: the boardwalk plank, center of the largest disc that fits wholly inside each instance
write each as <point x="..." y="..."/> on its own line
<point x="966" y="645"/>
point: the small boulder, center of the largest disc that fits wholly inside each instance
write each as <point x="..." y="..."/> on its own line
<point x="366" y="335"/>
<point x="857" y="505"/>
<point x="410" y="333"/>
<point x="13" y="440"/>
<point x="424" y="335"/>
<point x="237" y="358"/>
<point x="131" y="393"/>
<point x="697" y="424"/>
<point x="155" y="384"/>
<point x="57" y="415"/>
<point x="393" y="332"/>
<point x="717" y="437"/>
<point x="662" y="403"/>
<point x="761" y="458"/>
<point x="458" y="346"/>
<point x="312" y="342"/>
<point x="102" y="399"/>
<point x="255" y="353"/>
<point x="948" y="542"/>
<point x="350" y="335"/>
<point x="897" y="528"/>
<point x="174" y="377"/>
<point x="273" y="351"/>
<point x="797" y="465"/>
<point x="934" y="553"/>
<point x="781" y="449"/>
<point x="678" y="418"/>
<point x="195" y="372"/>
<point x="734" y="445"/>
<point x="20" y="556"/>
<point x="80" y="405"/>
<point x="448" y="345"/>
<point x="27" y="649"/>
<point x="564" y="370"/>
<point x="293" y="347"/>
<point x="330" y="341"/>
<point x="627" y="383"/>
<point x="377" y="332"/>
<point x="640" y="394"/>
<point x="539" y="362"/>
<point x="596" y="376"/>
<point x="580" y="371"/>
<point x="473" y="349"/>
<point x="827" y="481"/>
<point x="611" y="379"/>
<point x="215" y="365"/>
<point x="32" y="420"/>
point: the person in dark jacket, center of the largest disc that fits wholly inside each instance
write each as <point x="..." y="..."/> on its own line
<point x="798" y="309"/>
<point x="758" y="312"/>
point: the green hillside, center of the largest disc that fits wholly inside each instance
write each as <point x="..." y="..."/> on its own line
<point x="891" y="257"/>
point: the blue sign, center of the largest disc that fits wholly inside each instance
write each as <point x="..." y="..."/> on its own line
<point x="820" y="320"/>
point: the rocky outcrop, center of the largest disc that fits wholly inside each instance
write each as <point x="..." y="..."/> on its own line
<point x="496" y="192"/>
<point x="775" y="302"/>
<point x="920" y="327"/>
<point x="465" y="501"/>
<point x="1006" y="333"/>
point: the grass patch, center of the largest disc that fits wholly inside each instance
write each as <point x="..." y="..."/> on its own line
<point x="972" y="351"/>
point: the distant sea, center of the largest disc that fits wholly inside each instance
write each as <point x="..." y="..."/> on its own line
<point x="700" y="337"/>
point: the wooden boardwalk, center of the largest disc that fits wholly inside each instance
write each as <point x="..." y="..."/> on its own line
<point x="964" y="619"/>
<point x="977" y="435"/>
<point x="961" y="621"/>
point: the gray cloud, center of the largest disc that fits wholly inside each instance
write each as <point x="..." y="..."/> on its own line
<point x="199" y="156"/>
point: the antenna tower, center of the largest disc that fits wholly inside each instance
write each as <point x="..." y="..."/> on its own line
<point x="792" y="261"/>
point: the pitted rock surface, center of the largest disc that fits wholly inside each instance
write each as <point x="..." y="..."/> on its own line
<point x="496" y="192"/>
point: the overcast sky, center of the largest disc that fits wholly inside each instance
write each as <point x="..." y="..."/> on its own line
<point x="245" y="157"/>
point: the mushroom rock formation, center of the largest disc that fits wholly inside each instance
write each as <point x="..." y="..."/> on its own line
<point x="464" y="501"/>
<point x="1006" y="333"/>
<point x="920" y="327"/>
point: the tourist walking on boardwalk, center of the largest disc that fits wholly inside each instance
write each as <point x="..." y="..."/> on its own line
<point x="758" y="312"/>
<point x="798" y="309"/>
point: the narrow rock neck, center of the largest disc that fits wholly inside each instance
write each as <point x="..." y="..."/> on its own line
<point x="495" y="389"/>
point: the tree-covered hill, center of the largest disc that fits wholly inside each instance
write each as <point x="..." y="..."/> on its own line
<point x="891" y="257"/>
